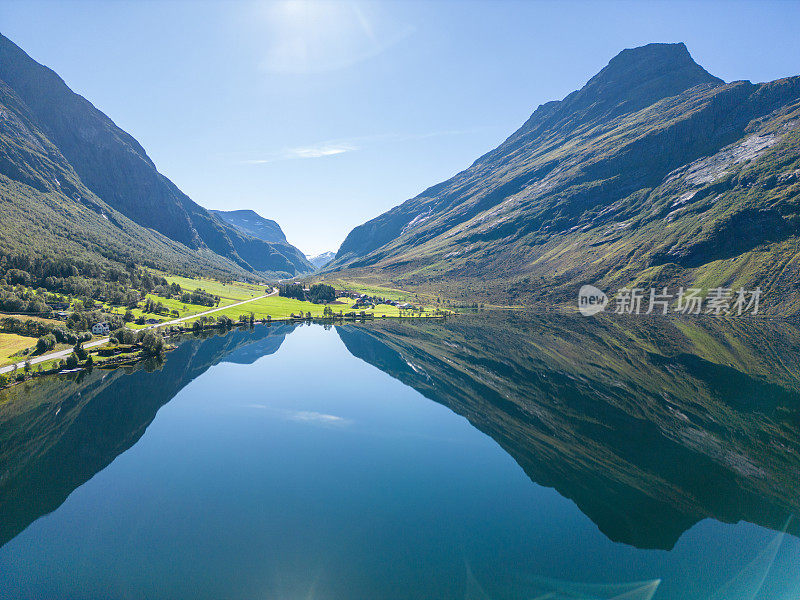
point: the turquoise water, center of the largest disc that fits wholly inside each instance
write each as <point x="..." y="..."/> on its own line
<point x="298" y="463"/>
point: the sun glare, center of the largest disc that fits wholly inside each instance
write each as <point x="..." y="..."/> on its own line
<point x="307" y="36"/>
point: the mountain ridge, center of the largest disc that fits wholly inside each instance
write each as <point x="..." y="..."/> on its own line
<point x="321" y="260"/>
<point x="583" y="192"/>
<point x="250" y="222"/>
<point x="115" y="168"/>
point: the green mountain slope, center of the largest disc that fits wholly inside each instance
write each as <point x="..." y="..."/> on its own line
<point x="47" y="211"/>
<point x="655" y="172"/>
<point x="57" y="146"/>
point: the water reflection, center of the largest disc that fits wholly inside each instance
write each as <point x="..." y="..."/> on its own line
<point x="650" y="427"/>
<point x="55" y="434"/>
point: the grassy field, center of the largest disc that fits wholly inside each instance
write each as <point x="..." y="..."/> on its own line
<point x="234" y="292"/>
<point x="11" y="343"/>
<point x="277" y="307"/>
<point x="22" y="317"/>
<point x="274" y="307"/>
<point x="184" y="309"/>
<point x="229" y="293"/>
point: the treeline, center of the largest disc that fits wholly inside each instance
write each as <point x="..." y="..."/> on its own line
<point x="28" y="283"/>
<point x="200" y="297"/>
<point x="75" y="328"/>
<point x="292" y="290"/>
<point x="319" y="293"/>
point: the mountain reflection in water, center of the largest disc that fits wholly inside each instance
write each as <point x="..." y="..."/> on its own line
<point x="648" y="426"/>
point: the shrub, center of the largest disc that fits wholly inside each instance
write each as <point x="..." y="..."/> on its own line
<point x="45" y="343"/>
<point x="64" y="337"/>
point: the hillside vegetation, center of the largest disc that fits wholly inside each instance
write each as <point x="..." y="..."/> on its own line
<point x="654" y="173"/>
<point x="74" y="185"/>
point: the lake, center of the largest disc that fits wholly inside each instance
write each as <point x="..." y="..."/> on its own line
<point x="498" y="455"/>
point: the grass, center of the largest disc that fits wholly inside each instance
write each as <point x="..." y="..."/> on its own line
<point x="25" y="317"/>
<point x="11" y="343"/>
<point x="234" y="292"/>
<point x="277" y="307"/>
<point x="184" y="309"/>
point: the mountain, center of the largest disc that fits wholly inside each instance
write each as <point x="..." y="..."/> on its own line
<point x="253" y="224"/>
<point x="649" y="425"/>
<point x="249" y="222"/>
<point x="320" y="260"/>
<point x="653" y="173"/>
<point x="84" y="184"/>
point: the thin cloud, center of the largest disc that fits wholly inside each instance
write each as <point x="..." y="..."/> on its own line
<point x="319" y="418"/>
<point x="320" y="150"/>
<point x="342" y="146"/>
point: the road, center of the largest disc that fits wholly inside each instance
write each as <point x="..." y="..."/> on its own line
<point x="52" y="355"/>
<point x="92" y="344"/>
<point x="213" y="310"/>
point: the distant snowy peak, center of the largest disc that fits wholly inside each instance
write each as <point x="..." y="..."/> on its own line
<point x="320" y="260"/>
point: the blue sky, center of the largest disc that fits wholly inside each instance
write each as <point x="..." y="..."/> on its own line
<point x="322" y="115"/>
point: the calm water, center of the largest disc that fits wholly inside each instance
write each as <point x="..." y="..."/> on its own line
<point x="501" y="457"/>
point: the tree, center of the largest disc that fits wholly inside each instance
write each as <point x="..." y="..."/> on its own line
<point x="72" y="361"/>
<point x="292" y="290"/>
<point x="45" y="343"/>
<point x="152" y="344"/>
<point x="321" y="293"/>
<point x="128" y="316"/>
<point x="3" y="380"/>
<point x="79" y="351"/>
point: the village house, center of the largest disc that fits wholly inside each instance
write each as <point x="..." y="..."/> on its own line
<point x="101" y="328"/>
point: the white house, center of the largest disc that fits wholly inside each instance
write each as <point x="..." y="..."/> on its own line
<point x="101" y="329"/>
